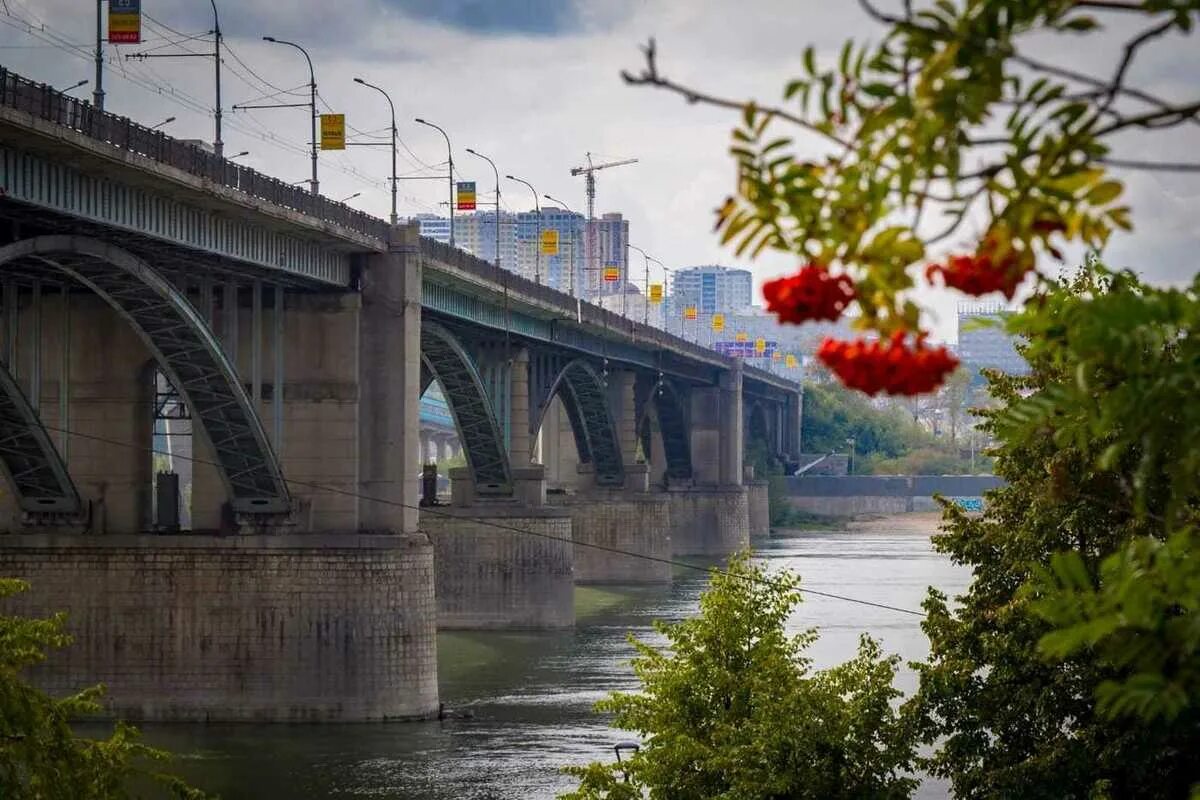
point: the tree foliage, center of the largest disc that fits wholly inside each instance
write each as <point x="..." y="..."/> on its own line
<point x="1055" y="675"/>
<point x="731" y="708"/>
<point x="944" y="135"/>
<point x="41" y="757"/>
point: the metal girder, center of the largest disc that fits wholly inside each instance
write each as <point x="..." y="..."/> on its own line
<point x="586" y="399"/>
<point x="32" y="465"/>
<point x="478" y="430"/>
<point x="186" y="351"/>
<point x="673" y="425"/>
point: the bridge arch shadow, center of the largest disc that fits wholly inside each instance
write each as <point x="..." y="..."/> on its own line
<point x="179" y="341"/>
<point x="444" y="359"/>
<point x="584" y="397"/>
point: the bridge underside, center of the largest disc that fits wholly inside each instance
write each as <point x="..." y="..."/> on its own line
<point x="179" y="341"/>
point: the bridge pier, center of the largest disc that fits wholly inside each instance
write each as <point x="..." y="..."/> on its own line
<point x="501" y="563"/>
<point x="758" y="501"/>
<point x="312" y="628"/>
<point x="631" y="522"/>
<point x="710" y="514"/>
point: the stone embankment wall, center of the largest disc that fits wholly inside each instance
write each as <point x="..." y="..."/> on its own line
<point x="199" y="628"/>
<point x="882" y="494"/>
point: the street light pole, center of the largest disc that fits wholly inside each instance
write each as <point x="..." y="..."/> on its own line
<point x="394" y="137"/>
<point x="312" y="104"/>
<point x="450" y="170"/>
<point x="571" y="264"/>
<point x="218" y="145"/>
<point x="98" y="93"/>
<point x="72" y="87"/>
<point x="537" y="244"/>
<point x="646" y="263"/>
<point x="656" y="261"/>
<point x="497" y="173"/>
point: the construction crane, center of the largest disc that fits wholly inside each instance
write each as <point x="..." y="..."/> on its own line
<point x="589" y="175"/>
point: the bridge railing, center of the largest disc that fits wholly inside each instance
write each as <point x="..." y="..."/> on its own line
<point x="43" y="102"/>
<point x="589" y="313"/>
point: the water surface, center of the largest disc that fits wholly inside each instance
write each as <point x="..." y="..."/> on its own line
<point x="531" y="693"/>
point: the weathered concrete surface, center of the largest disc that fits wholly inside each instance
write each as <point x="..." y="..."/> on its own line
<point x="515" y="572"/>
<point x="274" y="629"/>
<point x="759" y="508"/>
<point x="709" y="521"/>
<point x="633" y="523"/>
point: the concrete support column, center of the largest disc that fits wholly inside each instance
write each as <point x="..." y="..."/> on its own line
<point x="624" y="411"/>
<point x="520" y="444"/>
<point x="623" y="405"/>
<point x="730" y="426"/>
<point x="706" y="436"/>
<point x="390" y="384"/>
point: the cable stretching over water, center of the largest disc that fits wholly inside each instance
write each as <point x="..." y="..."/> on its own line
<point x="433" y="511"/>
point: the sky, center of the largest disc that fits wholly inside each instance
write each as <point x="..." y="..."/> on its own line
<point x="535" y="85"/>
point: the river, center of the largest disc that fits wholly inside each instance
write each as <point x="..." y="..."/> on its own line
<point x="531" y="693"/>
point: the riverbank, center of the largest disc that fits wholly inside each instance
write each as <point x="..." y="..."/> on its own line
<point x="917" y="522"/>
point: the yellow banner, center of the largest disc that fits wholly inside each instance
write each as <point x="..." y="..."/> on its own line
<point x="790" y="361"/>
<point x="760" y="345"/>
<point x="333" y="131"/>
<point x="742" y="336"/>
<point x="777" y="356"/>
<point x="550" y="242"/>
<point x="689" y="312"/>
<point x="612" y="274"/>
<point x="656" y="292"/>
<point x="718" y="322"/>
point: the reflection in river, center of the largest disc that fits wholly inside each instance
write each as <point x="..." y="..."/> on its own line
<point x="531" y="693"/>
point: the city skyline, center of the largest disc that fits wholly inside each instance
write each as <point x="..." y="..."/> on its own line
<point x="683" y="170"/>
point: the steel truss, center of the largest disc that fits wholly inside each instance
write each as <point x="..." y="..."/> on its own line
<point x="586" y="399"/>
<point x="185" y="350"/>
<point x="29" y="459"/>
<point x="673" y="425"/>
<point x="478" y="429"/>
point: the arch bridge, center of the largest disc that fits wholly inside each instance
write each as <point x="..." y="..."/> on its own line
<point x="189" y="345"/>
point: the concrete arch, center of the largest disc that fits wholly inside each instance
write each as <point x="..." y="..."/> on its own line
<point x="585" y="398"/>
<point x="444" y="358"/>
<point x="672" y="424"/>
<point x="185" y="349"/>
<point x="31" y="463"/>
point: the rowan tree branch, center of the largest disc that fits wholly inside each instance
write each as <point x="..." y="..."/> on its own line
<point x="1152" y="166"/>
<point x="1131" y="49"/>
<point x="1161" y="118"/>
<point x="650" y="76"/>
<point x="1102" y="86"/>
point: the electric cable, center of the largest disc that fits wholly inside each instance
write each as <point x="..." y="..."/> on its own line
<point x="433" y="511"/>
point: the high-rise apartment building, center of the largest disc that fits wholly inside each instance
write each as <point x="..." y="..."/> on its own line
<point x="520" y="249"/>
<point x="712" y="290"/>
<point x="434" y="227"/>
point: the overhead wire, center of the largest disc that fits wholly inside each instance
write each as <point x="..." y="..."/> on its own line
<point x="433" y="511"/>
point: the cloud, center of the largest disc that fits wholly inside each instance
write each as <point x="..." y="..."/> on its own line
<point x="538" y="17"/>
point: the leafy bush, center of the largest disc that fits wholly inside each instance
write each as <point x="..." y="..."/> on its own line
<point x="731" y="708"/>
